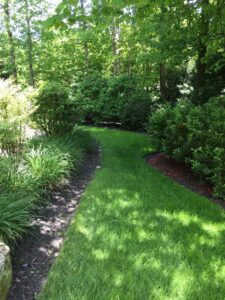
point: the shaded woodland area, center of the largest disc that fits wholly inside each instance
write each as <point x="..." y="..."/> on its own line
<point x="174" y="47"/>
<point x="154" y="67"/>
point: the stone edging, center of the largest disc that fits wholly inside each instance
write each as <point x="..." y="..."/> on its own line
<point x="5" y="271"/>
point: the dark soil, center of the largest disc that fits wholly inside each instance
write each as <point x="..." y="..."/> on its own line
<point x="34" y="256"/>
<point x="183" y="174"/>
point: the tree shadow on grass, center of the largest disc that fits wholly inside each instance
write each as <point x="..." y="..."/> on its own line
<point x="139" y="235"/>
<point x="122" y="251"/>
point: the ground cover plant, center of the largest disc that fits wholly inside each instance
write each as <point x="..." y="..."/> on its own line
<point x="29" y="167"/>
<point x="43" y="163"/>
<point x="139" y="235"/>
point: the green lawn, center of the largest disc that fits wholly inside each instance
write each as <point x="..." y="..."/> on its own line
<point x="139" y="235"/>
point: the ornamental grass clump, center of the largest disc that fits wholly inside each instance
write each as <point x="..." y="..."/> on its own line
<point x="15" y="109"/>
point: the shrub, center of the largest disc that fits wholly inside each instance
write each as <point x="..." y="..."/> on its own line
<point x="158" y="123"/>
<point x="195" y="135"/>
<point x="169" y="127"/>
<point x="115" y="96"/>
<point x="56" y="113"/>
<point x="209" y="152"/>
<point x="174" y="78"/>
<point x="104" y="100"/>
<point x="87" y="95"/>
<point x="176" y="142"/>
<point x="15" y="108"/>
<point x="136" y="113"/>
<point x="218" y="176"/>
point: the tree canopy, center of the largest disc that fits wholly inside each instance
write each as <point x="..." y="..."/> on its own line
<point x="167" y="43"/>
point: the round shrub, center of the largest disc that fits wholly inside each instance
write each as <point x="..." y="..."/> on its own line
<point x="158" y="123"/>
<point x="136" y="113"/>
<point x="194" y="134"/>
<point x="87" y="95"/>
<point x="168" y="127"/>
<point x="207" y="136"/>
<point x="105" y="99"/>
<point x="56" y="113"/>
<point x="116" y="95"/>
<point x="176" y="134"/>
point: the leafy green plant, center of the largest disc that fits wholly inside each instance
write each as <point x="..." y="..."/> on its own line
<point x="196" y="135"/>
<point x="8" y="167"/>
<point x="133" y="220"/>
<point x="47" y="166"/>
<point x="15" y="214"/>
<point x="56" y="113"/>
<point x="158" y="123"/>
<point x="87" y="95"/>
<point x="52" y="161"/>
<point x="106" y="99"/>
<point x="136" y="113"/>
<point x="15" y="108"/>
<point x="208" y="154"/>
<point x="176" y="133"/>
<point x="218" y="176"/>
<point x="10" y="137"/>
<point x="82" y="138"/>
<point x="44" y="162"/>
<point x="116" y="95"/>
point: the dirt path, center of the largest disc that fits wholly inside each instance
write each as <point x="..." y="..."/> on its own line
<point x="34" y="256"/>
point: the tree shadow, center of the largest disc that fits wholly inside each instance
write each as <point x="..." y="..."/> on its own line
<point x="139" y="235"/>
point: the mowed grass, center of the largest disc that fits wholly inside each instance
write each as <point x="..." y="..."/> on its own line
<point x="139" y="235"/>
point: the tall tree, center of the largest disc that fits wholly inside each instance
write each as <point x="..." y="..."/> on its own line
<point x="155" y="40"/>
<point x="115" y="51"/>
<point x="84" y="26"/>
<point x="7" y="19"/>
<point x="201" y="65"/>
<point x="29" y="43"/>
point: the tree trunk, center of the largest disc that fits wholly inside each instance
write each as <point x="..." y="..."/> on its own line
<point x="148" y="75"/>
<point x="86" y="50"/>
<point x="162" y="81"/>
<point x="11" y="41"/>
<point x="114" y="48"/>
<point x="202" y="51"/>
<point x="29" y="44"/>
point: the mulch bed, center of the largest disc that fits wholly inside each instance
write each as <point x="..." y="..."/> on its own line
<point x="35" y="254"/>
<point x="182" y="174"/>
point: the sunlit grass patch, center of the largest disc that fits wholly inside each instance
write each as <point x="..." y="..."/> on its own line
<point x="139" y="235"/>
